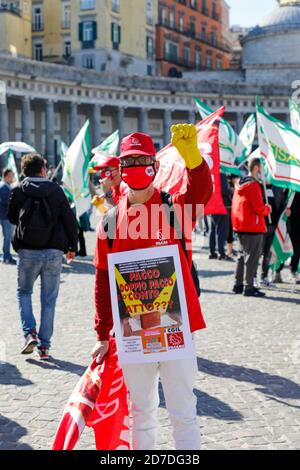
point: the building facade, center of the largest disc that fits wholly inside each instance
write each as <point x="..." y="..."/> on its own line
<point x="15" y="28"/>
<point x="190" y="35"/>
<point x="114" y="36"/>
<point x="47" y="103"/>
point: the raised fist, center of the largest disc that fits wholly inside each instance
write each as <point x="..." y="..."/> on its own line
<point x="184" y="139"/>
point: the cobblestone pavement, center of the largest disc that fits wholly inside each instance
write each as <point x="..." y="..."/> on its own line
<point x="248" y="384"/>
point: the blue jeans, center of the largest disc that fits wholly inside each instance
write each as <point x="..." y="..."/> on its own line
<point x="48" y="265"/>
<point x="7" y="233"/>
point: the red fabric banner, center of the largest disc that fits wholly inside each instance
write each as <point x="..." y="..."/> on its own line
<point x="100" y="401"/>
<point x="172" y="175"/>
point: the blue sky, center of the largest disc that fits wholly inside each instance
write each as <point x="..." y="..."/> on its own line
<point x="249" y="13"/>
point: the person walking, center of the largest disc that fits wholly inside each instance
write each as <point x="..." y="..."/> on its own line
<point x="248" y="220"/>
<point x="276" y="199"/>
<point x="138" y="169"/>
<point x="46" y="228"/>
<point x="294" y="222"/>
<point x="220" y="225"/>
<point x="5" y="190"/>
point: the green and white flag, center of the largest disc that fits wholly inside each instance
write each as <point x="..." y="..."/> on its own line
<point x="11" y="164"/>
<point x="76" y="176"/>
<point x="282" y="248"/>
<point x="295" y="115"/>
<point x="247" y="135"/>
<point x="63" y="150"/>
<point x="109" y="146"/>
<point x="232" y="149"/>
<point x="279" y="147"/>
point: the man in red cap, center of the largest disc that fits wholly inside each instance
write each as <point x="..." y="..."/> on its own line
<point x="138" y="169"/>
<point x="111" y="181"/>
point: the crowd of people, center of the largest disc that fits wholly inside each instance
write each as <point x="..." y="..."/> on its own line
<point x="37" y="217"/>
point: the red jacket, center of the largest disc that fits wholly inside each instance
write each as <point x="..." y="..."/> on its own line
<point x="248" y="208"/>
<point x="199" y="191"/>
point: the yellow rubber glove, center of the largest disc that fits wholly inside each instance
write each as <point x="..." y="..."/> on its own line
<point x="99" y="202"/>
<point x="184" y="139"/>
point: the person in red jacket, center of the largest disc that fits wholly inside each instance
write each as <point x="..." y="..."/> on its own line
<point x="112" y="185"/>
<point x="248" y="220"/>
<point x="138" y="169"/>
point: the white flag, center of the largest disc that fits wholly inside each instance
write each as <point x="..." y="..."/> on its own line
<point x="247" y="134"/>
<point x="232" y="149"/>
<point x="76" y="176"/>
<point x="16" y="147"/>
<point x="279" y="147"/>
<point x="295" y="115"/>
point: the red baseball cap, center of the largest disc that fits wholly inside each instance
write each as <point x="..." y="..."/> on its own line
<point x="102" y="161"/>
<point x="137" y="144"/>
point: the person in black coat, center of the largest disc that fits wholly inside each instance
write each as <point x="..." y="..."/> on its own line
<point x="46" y="228"/>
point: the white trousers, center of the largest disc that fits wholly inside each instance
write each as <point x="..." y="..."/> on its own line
<point x="178" y="379"/>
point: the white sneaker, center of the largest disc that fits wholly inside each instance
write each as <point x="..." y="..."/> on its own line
<point x="295" y="278"/>
<point x="265" y="282"/>
<point x="255" y="283"/>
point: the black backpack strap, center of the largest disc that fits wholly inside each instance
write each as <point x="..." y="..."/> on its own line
<point x="172" y="217"/>
<point x="174" y="223"/>
<point x="109" y="222"/>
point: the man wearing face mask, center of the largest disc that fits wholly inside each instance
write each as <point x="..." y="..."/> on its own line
<point x="138" y="169"/>
<point x="110" y="178"/>
<point x="248" y="220"/>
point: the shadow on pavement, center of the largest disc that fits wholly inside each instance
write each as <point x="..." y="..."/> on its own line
<point x="209" y="406"/>
<point x="270" y="385"/>
<point x="10" y="375"/>
<point x="205" y="274"/>
<point x="56" y="364"/>
<point x="79" y="267"/>
<point x="10" y="433"/>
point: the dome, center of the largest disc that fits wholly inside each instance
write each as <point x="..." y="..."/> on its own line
<point x="271" y="49"/>
<point x="286" y="17"/>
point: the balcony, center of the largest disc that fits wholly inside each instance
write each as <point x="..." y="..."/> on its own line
<point x="66" y="24"/>
<point x="200" y="37"/>
<point x="35" y="27"/>
<point x="10" y="8"/>
<point x="174" y="59"/>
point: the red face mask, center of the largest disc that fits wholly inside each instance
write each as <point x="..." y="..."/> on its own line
<point x="138" y="177"/>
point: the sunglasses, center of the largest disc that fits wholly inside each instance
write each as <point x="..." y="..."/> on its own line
<point x="142" y="160"/>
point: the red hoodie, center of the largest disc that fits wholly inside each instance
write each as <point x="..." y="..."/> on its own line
<point x="248" y="208"/>
<point x="199" y="191"/>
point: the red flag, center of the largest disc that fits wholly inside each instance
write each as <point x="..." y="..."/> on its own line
<point x="99" y="400"/>
<point x="172" y="175"/>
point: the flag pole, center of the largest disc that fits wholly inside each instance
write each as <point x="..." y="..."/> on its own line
<point x="265" y="191"/>
<point x="56" y="171"/>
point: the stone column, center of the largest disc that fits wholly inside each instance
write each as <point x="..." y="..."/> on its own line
<point x="191" y="117"/>
<point x="73" y="122"/>
<point x="50" y="132"/>
<point x="96" y="125"/>
<point x="120" y="121"/>
<point x="239" y="122"/>
<point x="167" y="125"/>
<point x="143" y="121"/>
<point x="26" y="121"/>
<point x="3" y="123"/>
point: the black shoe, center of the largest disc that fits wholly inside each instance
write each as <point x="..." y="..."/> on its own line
<point x="10" y="261"/>
<point x="225" y="258"/>
<point x="31" y="342"/>
<point x="238" y="289"/>
<point x="253" y="292"/>
<point x="213" y="256"/>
